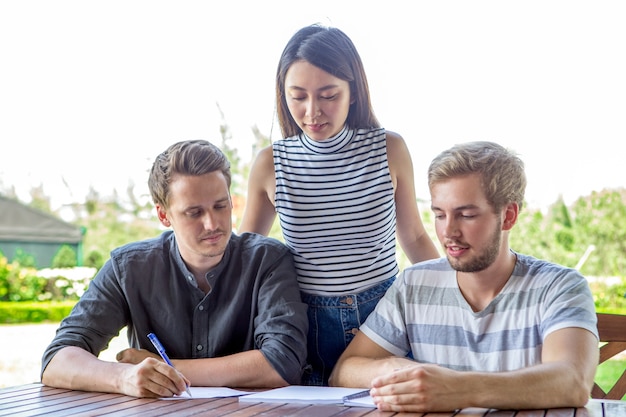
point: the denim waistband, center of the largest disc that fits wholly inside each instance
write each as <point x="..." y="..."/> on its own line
<point x="348" y="300"/>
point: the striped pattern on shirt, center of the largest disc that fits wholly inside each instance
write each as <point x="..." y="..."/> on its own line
<point x="424" y="312"/>
<point x="335" y="202"/>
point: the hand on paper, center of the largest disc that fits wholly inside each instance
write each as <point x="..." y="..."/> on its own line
<point x="418" y="388"/>
<point x="152" y="378"/>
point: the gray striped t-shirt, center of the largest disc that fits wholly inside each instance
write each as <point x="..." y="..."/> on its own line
<point x="425" y="313"/>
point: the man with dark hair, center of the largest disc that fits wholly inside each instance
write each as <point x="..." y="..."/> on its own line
<point x="226" y="307"/>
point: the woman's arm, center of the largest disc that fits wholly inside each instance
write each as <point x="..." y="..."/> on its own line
<point x="412" y="235"/>
<point x="259" y="213"/>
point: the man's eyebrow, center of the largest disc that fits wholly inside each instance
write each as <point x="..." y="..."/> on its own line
<point x="459" y="208"/>
<point x="199" y="207"/>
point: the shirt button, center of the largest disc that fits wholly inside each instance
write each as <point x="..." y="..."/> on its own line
<point x="199" y="347"/>
<point x="190" y="278"/>
<point x="201" y="308"/>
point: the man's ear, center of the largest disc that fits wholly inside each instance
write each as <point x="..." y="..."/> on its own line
<point x="510" y="216"/>
<point x="162" y="215"/>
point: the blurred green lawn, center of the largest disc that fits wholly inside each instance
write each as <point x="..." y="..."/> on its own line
<point x="608" y="373"/>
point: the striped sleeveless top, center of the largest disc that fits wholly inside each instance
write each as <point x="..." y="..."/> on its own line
<point x="335" y="202"/>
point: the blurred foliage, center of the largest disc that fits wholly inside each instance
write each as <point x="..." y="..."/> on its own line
<point x="64" y="258"/>
<point x="609" y="372"/>
<point x="25" y="283"/>
<point x="590" y="235"/>
<point x="24" y="259"/>
<point x="34" y="312"/>
<point x="19" y="283"/>
<point x="609" y="297"/>
<point x="94" y="259"/>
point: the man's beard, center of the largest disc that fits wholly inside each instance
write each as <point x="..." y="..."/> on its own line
<point x="483" y="260"/>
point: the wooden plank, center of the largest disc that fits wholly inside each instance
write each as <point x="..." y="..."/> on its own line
<point x="229" y="405"/>
<point x="329" y="410"/>
<point x="370" y="412"/>
<point x="37" y="400"/>
<point x="219" y="407"/>
<point x="173" y="408"/>
<point x="89" y="408"/>
<point x="51" y="400"/>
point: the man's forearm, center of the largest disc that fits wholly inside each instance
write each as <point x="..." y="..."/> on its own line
<point x="75" y="368"/>
<point x="551" y="385"/>
<point x="358" y="372"/>
<point x="246" y="369"/>
<point x="548" y="385"/>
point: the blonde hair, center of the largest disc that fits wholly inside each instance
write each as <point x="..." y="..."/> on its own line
<point x="502" y="172"/>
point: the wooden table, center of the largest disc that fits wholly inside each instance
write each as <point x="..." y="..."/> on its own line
<point x="39" y="400"/>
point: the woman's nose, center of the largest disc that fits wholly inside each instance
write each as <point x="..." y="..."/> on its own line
<point x="312" y="108"/>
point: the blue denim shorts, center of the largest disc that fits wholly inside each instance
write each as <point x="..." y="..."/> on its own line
<point x="333" y="322"/>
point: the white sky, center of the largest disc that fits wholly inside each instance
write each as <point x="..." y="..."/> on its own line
<point x="92" y="91"/>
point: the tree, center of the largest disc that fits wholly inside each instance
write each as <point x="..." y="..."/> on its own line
<point x="601" y="221"/>
<point x="39" y="200"/>
<point x="64" y="258"/>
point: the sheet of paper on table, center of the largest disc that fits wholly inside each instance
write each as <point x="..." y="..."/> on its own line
<point x="209" y="392"/>
<point x="313" y="395"/>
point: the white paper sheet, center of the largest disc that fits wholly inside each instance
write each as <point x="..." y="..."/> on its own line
<point x="302" y="394"/>
<point x="209" y="392"/>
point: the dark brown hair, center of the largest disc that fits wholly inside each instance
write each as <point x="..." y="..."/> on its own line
<point x="192" y="157"/>
<point x="332" y="51"/>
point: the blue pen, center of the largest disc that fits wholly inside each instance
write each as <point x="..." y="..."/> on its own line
<point x="159" y="347"/>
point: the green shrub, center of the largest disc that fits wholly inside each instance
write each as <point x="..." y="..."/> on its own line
<point x="34" y="312"/>
<point x="609" y="295"/>
<point x="64" y="258"/>
<point x="5" y="270"/>
<point x="18" y="283"/>
<point x="24" y="259"/>
<point x="95" y="259"/>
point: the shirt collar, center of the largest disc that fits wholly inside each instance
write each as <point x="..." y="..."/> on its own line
<point x="330" y="145"/>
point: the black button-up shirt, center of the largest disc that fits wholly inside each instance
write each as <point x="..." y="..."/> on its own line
<point x="254" y="303"/>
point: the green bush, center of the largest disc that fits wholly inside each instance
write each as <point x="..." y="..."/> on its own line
<point x="64" y="258"/>
<point x="34" y="312"/>
<point x="18" y="283"/>
<point x="95" y="259"/>
<point x="24" y="259"/>
<point x="609" y="296"/>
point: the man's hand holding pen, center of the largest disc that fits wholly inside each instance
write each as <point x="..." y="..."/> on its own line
<point x="135" y="356"/>
<point x="151" y="375"/>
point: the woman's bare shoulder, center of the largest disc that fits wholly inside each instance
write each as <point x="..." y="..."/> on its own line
<point x="396" y="144"/>
<point x="264" y="160"/>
